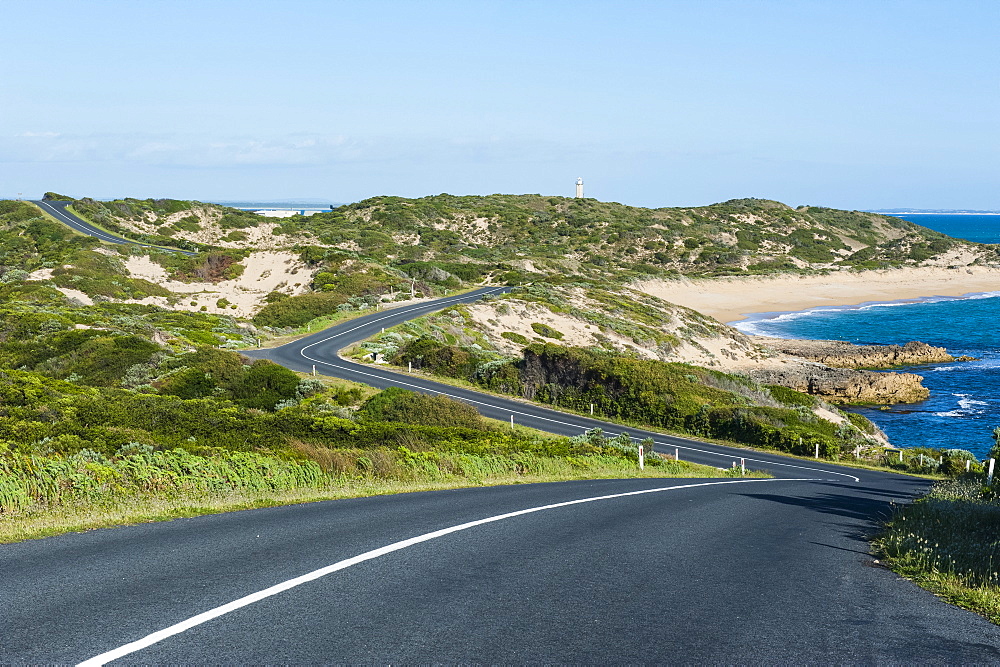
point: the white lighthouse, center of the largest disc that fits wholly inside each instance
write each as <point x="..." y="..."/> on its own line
<point x="579" y="188"/>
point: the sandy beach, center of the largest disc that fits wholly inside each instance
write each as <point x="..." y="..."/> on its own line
<point x="733" y="299"/>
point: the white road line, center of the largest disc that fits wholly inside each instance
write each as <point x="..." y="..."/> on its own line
<point x="392" y="314"/>
<point x="65" y="218"/>
<point x="222" y="610"/>
<point x="562" y="423"/>
<point x="78" y="224"/>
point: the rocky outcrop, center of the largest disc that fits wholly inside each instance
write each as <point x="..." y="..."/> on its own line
<point x="847" y="355"/>
<point x="842" y="385"/>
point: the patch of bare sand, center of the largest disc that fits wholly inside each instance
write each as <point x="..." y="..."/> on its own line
<point x="266" y="271"/>
<point x="712" y="347"/>
<point x="40" y="274"/>
<point x="76" y="294"/>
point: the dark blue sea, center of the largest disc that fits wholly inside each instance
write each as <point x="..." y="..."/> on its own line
<point x="964" y="406"/>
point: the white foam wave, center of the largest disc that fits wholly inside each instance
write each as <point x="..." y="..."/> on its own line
<point x="751" y="326"/>
<point x="966" y="407"/>
<point x="967" y="403"/>
<point x="748" y="326"/>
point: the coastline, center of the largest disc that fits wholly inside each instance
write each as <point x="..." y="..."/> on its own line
<point x="732" y="299"/>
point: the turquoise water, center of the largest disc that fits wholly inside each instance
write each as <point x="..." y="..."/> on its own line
<point x="964" y="405"/>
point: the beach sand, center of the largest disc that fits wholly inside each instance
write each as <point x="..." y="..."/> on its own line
<point x="733" y="299"/>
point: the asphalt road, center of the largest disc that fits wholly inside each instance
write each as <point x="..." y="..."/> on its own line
<point x="58" y="210"/>
<point x="758" y="571"/>
<point x="606" y="571"/>
<point x="319" y="350"/>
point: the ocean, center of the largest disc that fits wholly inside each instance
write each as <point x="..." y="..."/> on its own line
<point x="964" y="405"/>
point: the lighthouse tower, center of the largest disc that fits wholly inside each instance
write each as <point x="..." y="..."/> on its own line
<point x="579" y="188"/>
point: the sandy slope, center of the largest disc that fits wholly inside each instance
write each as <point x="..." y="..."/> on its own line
<point x="266" y="271"/>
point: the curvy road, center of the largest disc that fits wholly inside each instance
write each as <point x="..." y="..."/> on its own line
<point x="604" y="571"/>
<point x="58" y="210"/>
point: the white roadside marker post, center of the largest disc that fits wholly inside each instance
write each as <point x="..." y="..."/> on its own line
<point x="642" y="456"/>
<point x="591" y="409"/>
<point x="677" y="454"/>
<point x="314" y="370"/>
<point x="743" y="467"/>
<point x="512" y="421"/>
<point x="989" y="473"/>
<point x="901" y="456"/>
<point x="409" y="366"/>
<point x="968" y="465"/>
<point x="817" y="450"/>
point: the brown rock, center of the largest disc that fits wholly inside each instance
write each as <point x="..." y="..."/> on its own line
<point x="847" y="355"/>
<point x="842" y="385"/>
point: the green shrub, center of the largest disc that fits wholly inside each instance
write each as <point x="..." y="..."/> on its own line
<point x="546" y="331"/>
<point x="516" y="337"/>
<point x="791" y="397"/>
<point x="400" y="405"/>
<point x="295" y="311"/>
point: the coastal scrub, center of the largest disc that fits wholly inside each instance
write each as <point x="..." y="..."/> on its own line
<point x="947" y="542"/>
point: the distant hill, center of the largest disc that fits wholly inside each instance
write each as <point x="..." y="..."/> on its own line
<point x="592" y="238"/>
<point x="534" y="235"/>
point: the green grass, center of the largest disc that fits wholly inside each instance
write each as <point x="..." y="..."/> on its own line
<point x="326" y="321"/>
<point x="78" y="494"/>
<point x="886" y="463"/>
<point x="90" y="221"/>
<point x="948" y="542"/>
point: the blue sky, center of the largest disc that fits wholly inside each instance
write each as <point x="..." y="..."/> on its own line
<point x="869" y="104"/>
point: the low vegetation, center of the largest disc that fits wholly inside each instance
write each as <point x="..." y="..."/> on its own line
<point x="450" y="240"/>
<point x="82" y="453"/>
<point x="106" y="406"/>
<point x="947" y="543"/>
<point x="947" y="540"/>
<point x="585" y="237"/>
<point x="677" y="397"/>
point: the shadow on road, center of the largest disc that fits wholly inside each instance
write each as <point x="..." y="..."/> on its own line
<point x="860" y="503"/>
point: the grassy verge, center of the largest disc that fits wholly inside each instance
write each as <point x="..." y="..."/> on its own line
<point x="326" y="321"/>
<point x="51" y="218"/>
<point x="42" y="496"/>
<point x="947" y="543"/>
<point x="89" y="221"/>
<point x="354" y="352"/>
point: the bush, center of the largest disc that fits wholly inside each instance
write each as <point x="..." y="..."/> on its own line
<point x="516" y="337"/>
<point x="264" y="385"/>
<point x="295" y="311"/>
<point x="437" y="357"/>
<point x="400" y="405"/>
<point x="546" y="331"/>
<point x="791" y="397"/>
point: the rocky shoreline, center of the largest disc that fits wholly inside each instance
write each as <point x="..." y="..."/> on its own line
<point x="839" y="371"/>
<point x="846" y="385"/>
<point x="840" y="354"/>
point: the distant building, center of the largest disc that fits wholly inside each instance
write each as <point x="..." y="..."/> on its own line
<point x="579" y="188"/>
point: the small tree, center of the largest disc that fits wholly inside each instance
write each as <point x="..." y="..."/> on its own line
<point x="995" y="450"/>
